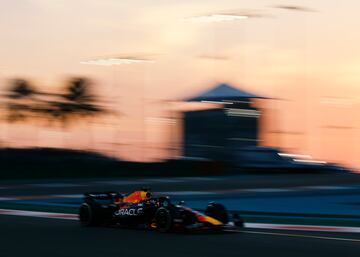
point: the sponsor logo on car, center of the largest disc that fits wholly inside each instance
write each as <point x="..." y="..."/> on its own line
<point x="128" y="212"/>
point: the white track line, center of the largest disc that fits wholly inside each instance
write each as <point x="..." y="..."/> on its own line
<point x="295" y="235"/>
<point x="7" y="198"/>
<point x="303" y="227"/>
<point x="50" y="215"/>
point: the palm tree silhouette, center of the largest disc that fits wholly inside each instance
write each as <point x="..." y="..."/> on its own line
<point x="21" y="88"/>
<point x="77" y="101"/>
<point x="20" y="94"/>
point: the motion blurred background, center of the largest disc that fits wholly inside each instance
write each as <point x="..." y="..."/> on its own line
<point x="251" y="104"/>
<point x="115" y="77"/>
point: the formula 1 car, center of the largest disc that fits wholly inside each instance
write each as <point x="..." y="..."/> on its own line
<point x="140" y="209"/>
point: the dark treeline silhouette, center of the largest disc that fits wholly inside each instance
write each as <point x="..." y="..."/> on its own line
<point x="76" y="100"/>
<point x="38" y="163"/>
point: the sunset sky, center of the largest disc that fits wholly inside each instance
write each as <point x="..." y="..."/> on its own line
<point x="308" y="58"/>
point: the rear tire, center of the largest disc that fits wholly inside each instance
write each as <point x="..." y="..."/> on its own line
<point x="218" y="212"/>
<point x="88" y="216"/>
<point x="163" y="220"/>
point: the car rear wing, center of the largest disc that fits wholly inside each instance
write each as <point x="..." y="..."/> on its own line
<point x="111" y="196"/>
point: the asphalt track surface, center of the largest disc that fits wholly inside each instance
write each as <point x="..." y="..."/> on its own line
<point x="28" y="236"/>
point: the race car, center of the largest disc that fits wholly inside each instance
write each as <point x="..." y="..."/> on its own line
<point x="141" y="209"/>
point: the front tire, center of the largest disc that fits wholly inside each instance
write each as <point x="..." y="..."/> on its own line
<point x="163" y="220"/>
